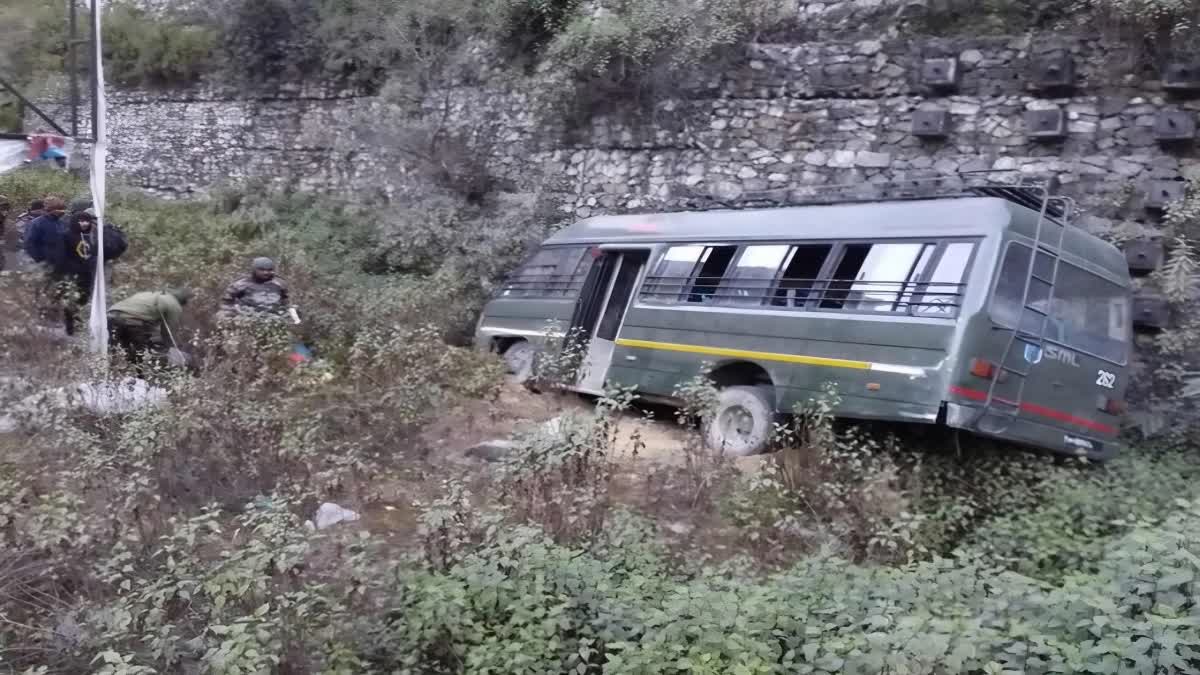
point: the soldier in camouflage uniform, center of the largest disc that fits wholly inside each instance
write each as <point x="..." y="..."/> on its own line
<point x="259" y="293"/>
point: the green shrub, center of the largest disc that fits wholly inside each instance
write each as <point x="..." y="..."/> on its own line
<point x="143" y="49"/>
<point x="356" y="41"/>
<point x="525" y="28"/>
<point x="1161" y="25"/>
<point x="249" y="424"/>
<point x="264" y="40"/>
<point x="1170" y="414"/>
<point x="992" y="17"/>
<point x="645" y="49"/>
<point x="623" y="38"/>
<point x="1075" y="515"/>
<point x="1161" y="14"/>
<point x="173" y="539"/>
<point x="559" y="478"/>
<point x="10" y="116"/>
<point x="524" y="604"/>
<point x="33" y="40"/>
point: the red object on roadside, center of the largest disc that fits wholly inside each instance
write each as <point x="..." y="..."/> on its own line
<point x="39" y="143"/>
<point x="300" y="354"/>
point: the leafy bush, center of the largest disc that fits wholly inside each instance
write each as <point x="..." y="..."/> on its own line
<point x="1169" y="390"/>
<point x="826" y="487"/>
<point x="10" y="117"/>
<point x="1169" y="15"/>
<point x="992" y="17"/>
<point x="33" y="40"/>
<point x="525" y="28"/>
<point x="134" y="519"/>
<point x="1072" y="518"/>
<point x="1152" y="27"/>
<point x="357" y="41"/>
<point x="643" y="50"/>
<point x="573" y="612"/>
<point x="618" y="40"/>
<point x="271" y="39"/>
<point x="141" y="49"/>
<point x="559" y="477"/>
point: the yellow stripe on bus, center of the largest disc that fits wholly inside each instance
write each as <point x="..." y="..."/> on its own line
<point x="743" y="354"/>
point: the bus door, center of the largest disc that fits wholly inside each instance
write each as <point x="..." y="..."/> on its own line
<point x="601" y="310"/>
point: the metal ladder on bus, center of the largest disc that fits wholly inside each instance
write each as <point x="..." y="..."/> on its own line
<point x="1003" y="409"/>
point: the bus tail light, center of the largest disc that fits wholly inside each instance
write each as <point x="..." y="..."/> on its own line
<point x="983" y="368"/>
<point x="1112" y="406"/>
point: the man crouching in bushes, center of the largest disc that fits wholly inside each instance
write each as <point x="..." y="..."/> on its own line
<point x="148" y="322"/>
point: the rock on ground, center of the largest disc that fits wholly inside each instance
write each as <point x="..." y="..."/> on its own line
<point x="331" y="514"/>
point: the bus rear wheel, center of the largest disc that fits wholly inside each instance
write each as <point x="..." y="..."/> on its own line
<point x="743" y="421"/>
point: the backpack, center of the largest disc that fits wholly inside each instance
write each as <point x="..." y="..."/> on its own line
<point x="115" y="242"/>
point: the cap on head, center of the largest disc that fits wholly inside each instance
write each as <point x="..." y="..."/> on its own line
<point x="265" y="264"/>
<point x="86" y="215"/>
<point x="37" y="205"/>
<point x="80" y="205"/>
<point x="181" y="294"/>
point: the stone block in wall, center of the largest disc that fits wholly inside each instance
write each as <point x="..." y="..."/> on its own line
<point x="1182" y="75"/>
<point x="1144" y="255"/>
<point x="931" y="123"/>
<point x="1175" y="126"/>
<point x="1151" y="311"/>
<point x="1161" y="193"/>
<point x="1046" y="125"/>
<point x="1052" y="71"/>
<point x="940" y="74"/>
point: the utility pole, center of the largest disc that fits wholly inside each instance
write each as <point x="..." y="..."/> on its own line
<point x="73" y="66"/>
<point x="95" y="69"/>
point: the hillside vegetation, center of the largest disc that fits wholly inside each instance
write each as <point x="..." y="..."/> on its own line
<point x="587" y="54"/>
<point x="172" y="539"/>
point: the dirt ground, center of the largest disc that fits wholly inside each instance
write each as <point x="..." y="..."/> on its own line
<point x="651" y="476"/>
<point x="653" y="479"/>
<point x="517" y="409"/>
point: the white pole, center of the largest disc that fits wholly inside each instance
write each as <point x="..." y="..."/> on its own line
<point x="98" y="322"/>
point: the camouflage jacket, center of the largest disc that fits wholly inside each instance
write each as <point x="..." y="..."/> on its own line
<point x="249" y="294"/>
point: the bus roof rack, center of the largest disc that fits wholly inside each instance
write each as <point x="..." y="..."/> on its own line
<point x="1030" y="194"/>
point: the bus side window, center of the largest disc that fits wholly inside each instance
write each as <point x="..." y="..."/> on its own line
<point x="574" y="284"/>
<point x="672" y="274"/>
<point x="873" y="277"/>
<point x="838" y="290"/>
<point x="712" y="269"/>
<point x="751" y="279"/>
<point x="800" y="274"/>
<point x="548" y="273"/>
<point x="943" y="295"/>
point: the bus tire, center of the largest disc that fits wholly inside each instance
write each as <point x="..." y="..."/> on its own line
<point x="518" y="358"/>
<point x="742" y="422"/>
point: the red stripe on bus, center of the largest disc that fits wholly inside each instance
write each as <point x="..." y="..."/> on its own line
<point x="1043" y="411"/>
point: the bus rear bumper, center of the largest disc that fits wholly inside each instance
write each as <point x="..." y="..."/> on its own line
<point x="1058" y="440"/>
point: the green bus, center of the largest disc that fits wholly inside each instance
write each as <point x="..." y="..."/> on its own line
<point x="983" y="311"/>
